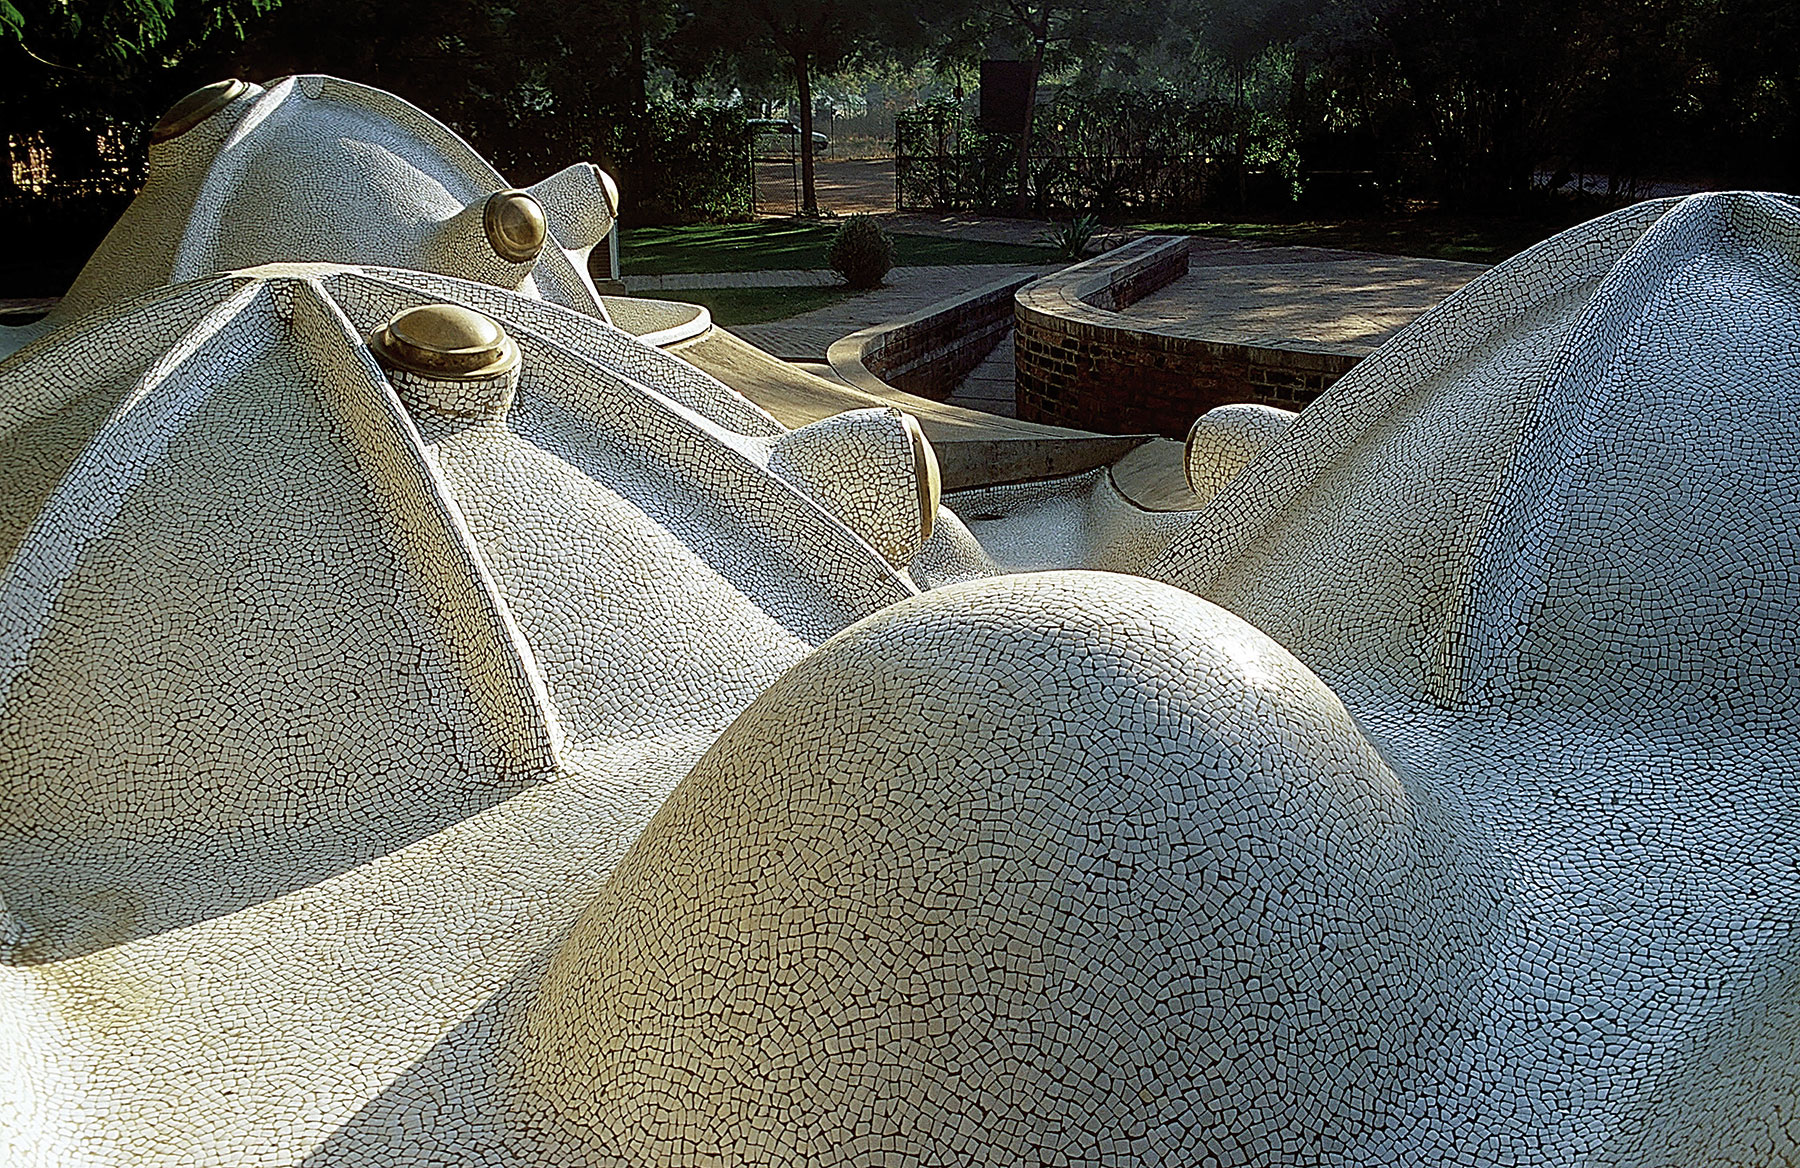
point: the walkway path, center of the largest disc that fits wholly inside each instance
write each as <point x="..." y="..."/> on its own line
<point x="806" y="337"/>
<point x="1233" y="291"/>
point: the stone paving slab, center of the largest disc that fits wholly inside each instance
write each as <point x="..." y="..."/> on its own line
<point x="1212" y="251"/>
<point x="681" y="281"/>
<point x="1277" y="298"/>
<point x="944" y="275"/>
<point x="989" y="387"/>
<point x="806" y="337"/>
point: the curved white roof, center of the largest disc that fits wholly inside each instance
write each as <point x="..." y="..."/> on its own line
<point x="1444" y="808"/>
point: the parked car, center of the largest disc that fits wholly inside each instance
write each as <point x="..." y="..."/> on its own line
<point x="787" y="128"/>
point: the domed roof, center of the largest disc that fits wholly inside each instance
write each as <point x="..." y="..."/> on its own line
<point x="1571" y="485"/>
<point x="297" y="668"/>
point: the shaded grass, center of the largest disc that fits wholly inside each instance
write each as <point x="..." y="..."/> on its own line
<point x="1473" y="239"/>
<point x="734" y="306"/>
<point x="779" y="245"/>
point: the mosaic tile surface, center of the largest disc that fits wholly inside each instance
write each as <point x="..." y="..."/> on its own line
<point x="565" y="767"/>
<point x="320" y="715"/>
<point x="961" y="888"/>
<point x="318" y="169"/>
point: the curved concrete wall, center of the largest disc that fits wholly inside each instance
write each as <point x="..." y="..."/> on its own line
<point x="932" y="350"/>
<point x="1082" y="364"/>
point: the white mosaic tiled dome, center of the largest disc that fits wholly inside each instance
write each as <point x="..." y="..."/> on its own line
<point x="951" y="890"/>
<point x="1442" y="812"/>
<point x="322" y="710"/>
<point x="1064" y="868"/>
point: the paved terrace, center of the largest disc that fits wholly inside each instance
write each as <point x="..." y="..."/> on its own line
<point x="1283" y="295"/>
<point x="806" y="337"/>
<point x="1233" y="291"/>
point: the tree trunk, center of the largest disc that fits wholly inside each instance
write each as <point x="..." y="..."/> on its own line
<point x="1022" y="206"/>
<point x="1240" y="139"/>
<point x="809" y="201"/>
<point x="640" y="89"/>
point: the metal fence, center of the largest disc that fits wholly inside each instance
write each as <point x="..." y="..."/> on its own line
<point x="1151" y="158"/>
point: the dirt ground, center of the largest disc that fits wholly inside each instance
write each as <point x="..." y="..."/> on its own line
<point x="863" y="186"/>
<point x="845" y="186"/>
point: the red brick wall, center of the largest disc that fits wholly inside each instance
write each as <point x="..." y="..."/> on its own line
<point x="1082" y="369"/>
<point x="930" y="357"/>
<point x="1120" y="381"/>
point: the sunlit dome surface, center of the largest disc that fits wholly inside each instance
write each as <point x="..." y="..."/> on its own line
<point x="438" y="727"/>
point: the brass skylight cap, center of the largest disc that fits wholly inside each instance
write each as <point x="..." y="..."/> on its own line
<point x="196" y="107"/>
<point x="445" y="340"/>
<point x="515" y="226"/>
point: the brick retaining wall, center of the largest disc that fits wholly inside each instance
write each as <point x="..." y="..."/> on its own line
<point x="1081" y="364"/>
<point x="930" y="352"/>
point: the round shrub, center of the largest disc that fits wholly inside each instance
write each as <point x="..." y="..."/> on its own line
<point x="861" y="252"/>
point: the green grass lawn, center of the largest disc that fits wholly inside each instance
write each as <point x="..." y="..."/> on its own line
<point x="734" y="306"/>
<point x="775" y="245"/>
<point x="1475" y="239"/>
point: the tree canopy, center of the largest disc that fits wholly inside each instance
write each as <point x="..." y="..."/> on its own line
<point x="1470" y="103"/>
<point x="804" y="38"/>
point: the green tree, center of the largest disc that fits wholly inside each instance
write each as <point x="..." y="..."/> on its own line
<point x="81" y="82"/>
<point x="99" y="51"/>
<point x="1050" y="36"/>
<point x="84" y="79"/>
<point x="804" y="39"/>
<point x="1741" y="103"/>
<point x="114" y="36"/>
<point x="456" y="59"/>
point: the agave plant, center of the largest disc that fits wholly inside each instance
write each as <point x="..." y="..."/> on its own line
<point x="1071" y="239"/>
